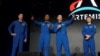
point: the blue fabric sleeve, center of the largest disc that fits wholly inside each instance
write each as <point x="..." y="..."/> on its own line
<point x="69" y="22"/>
<point x="37" y="23"/>
<point x="10" y="27"/>
<point x="26" y="31"/>
<point x="93" y="31"/>
<point x="83" y="31"/>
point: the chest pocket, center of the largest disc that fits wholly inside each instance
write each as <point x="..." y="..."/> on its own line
<point x="62" y="24"/>
<point x="86" y="27"/>
<point x="23" y="24"/>
<point x="44" y="26"/>
<point x="62" y="28"/>
<point x="91" y="28"/>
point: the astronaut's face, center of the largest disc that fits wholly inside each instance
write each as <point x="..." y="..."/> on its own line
<point x="88" y="19"/>
<point x="20" y="16"/>
<point x="59" y="17"/>
<point x="47" y="17"/>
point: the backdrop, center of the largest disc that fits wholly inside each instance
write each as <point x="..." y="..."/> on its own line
<point x="74" y="35"/>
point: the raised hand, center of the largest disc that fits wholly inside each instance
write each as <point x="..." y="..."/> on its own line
<point x="32" y="18"/>
<point x="73" y="15"/>
<point x="59" y="26"/>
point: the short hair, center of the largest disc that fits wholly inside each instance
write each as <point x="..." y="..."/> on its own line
<point x="59" y="15"/>
<point x="20" y="13"/>
<point x="46" y="14"/>
<point x="88" y="17"/>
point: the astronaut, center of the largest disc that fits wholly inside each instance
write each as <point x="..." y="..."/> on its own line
<point x="88" y="32"/>
<point x="18" y="29"/>
<point x="61" y="37"/>
<point x="44" y="39"/>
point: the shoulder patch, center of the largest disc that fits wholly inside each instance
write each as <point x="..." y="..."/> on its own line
<point x="90" y="26"/>
<point x="86" y="27"/>
<point x="43" y="24"/>
<point x="23" y="24"/>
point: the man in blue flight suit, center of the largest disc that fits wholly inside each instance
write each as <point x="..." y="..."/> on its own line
<point x="88" y="32"/>
<point x="18" y="29"/>
<point x="61" y="37"/>
<point x="44" y="40"/>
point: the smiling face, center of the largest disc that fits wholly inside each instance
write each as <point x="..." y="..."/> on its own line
<point x="88" y="19"/>
<point x="47" y="17"/>
<point x="20" y="16"/>
<point x="59" y="17"/>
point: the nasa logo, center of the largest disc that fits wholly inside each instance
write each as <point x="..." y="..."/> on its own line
<point x="91" y="27"/>
<point x="23" y="24"/>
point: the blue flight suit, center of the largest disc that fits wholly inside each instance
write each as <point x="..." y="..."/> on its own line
<point x="62" y="38"/>
<point x="89" y="44"/>
<point x="20" y="28"/>
<point x="44" y="39"/>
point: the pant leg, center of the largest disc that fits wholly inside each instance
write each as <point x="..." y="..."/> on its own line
<point x="20" y="49"/>
<point x="14" y="46"/>
<point x="58" y="46"/>
<point x="92" y="47"/>
<point x="66" y="46"/>
<point x="46" y="46"/>
<point x="40" y="44"/>
<point x="86" y="48"/>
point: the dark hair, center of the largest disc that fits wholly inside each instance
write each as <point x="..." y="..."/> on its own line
<point x="20" y="13"/>
<point x="59" y="14"/>
<point x="88" y="17"/>
<point x="46" y="14"/>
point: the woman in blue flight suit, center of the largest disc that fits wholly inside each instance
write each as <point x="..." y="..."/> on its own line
<point x="88" y="32"/>
<point x="44" y="40"/>
<point x="61" y="37"/>
<point x="19" y="35"/>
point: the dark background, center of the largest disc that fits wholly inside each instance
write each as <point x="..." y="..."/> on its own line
<point x="9" y="10"/>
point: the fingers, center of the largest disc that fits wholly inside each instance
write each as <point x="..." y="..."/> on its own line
<point x="88" y="37"/>
<point x="13" y="34"/>
<point x="59" y="26"/>
<point x="32" y="18"/>
<point x="25" y="40"/>
<point x="73" y="15"/>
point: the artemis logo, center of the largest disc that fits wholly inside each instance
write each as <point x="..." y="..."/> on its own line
<point x="76" y="7"/>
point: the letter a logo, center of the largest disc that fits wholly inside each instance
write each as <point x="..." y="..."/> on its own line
<point x="78" y="3"/>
